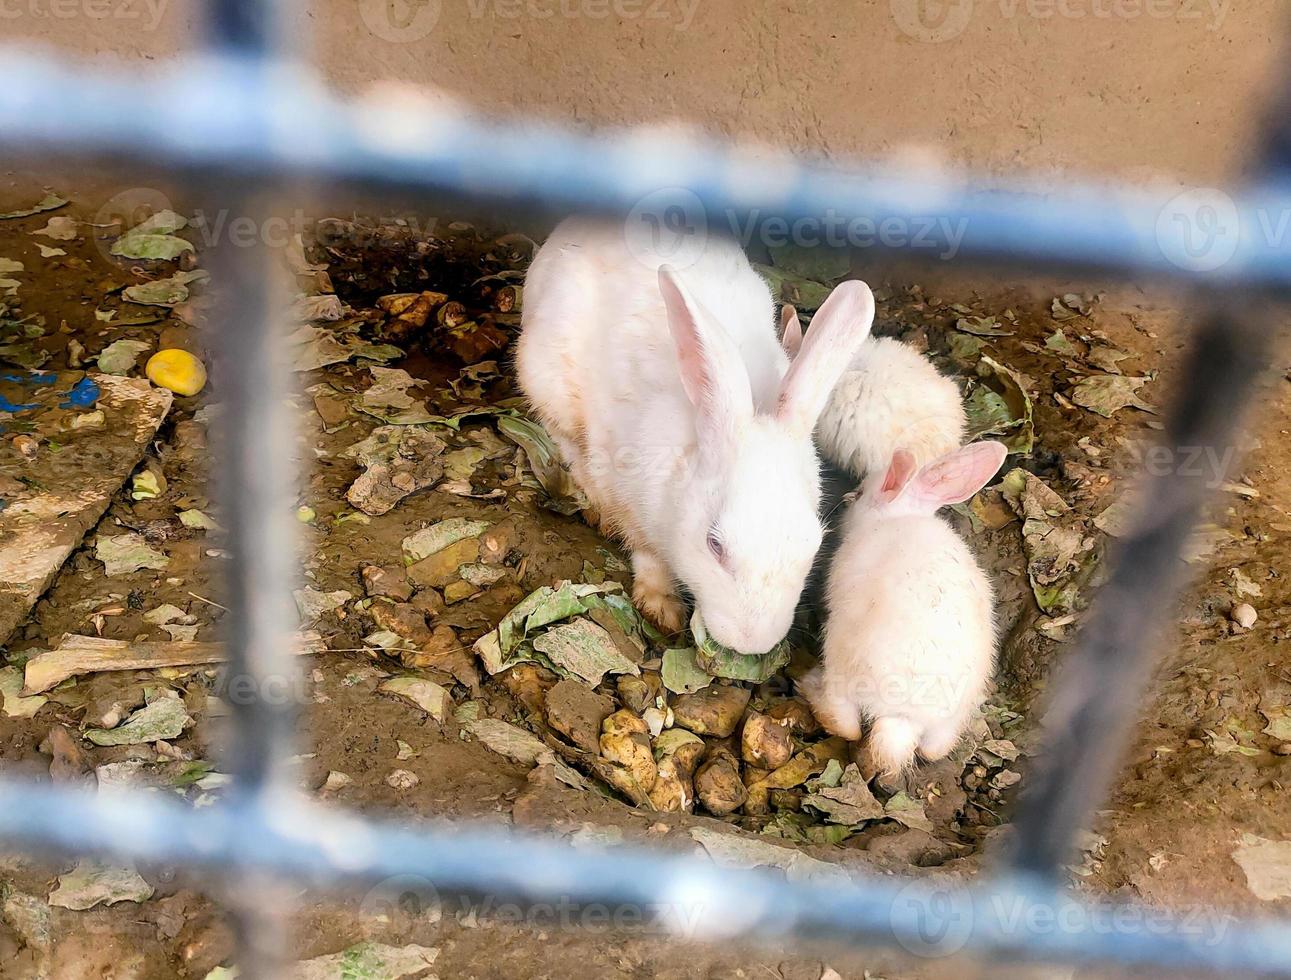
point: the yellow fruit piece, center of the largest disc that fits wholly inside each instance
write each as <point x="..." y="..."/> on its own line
<point x="177" y="370"/>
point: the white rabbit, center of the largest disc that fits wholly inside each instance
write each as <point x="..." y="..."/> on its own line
<point x="890" y="397"/>
<point x="910" y="635"/>
<point x="681" y="420"/>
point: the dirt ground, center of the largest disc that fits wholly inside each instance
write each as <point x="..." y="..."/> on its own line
<point x="1203" y="771"/>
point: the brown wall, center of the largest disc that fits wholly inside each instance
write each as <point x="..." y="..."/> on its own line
<point x="1131" y="87"/>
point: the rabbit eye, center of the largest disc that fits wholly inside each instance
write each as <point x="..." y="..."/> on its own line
<point x="715" y="546"/>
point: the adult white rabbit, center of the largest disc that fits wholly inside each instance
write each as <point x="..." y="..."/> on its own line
<point x="910" y="633"/>
<point x="680" y="418"/>
<point x="890" y="397"/>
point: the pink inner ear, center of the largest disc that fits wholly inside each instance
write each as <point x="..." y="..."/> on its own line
<point x="694" y="367"/>
<point x="956" y="476"/>
<point x="790" y="330"/>
<point x="899" y="472"/>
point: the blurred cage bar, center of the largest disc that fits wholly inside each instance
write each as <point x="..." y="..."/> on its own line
<point x="242" y="119"/>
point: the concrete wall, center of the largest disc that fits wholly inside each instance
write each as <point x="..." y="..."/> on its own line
<point x="1127" y="87"/>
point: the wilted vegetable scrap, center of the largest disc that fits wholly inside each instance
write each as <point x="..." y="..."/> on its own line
<point x="1108" y="394"/>
<point x="398" y="461"/>
<point x="1059" y="554"/>
<point x="129" y="552"/>
<point x="164" y="718"/>
<point x="563" y="494"/>
<point x="999" y="406"/>
<point x="721" y="661"/>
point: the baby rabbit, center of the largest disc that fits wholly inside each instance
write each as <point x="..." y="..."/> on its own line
<point x="910" y="636"/>
<point x="889" y="398"/>
<point x="680" y="418"/>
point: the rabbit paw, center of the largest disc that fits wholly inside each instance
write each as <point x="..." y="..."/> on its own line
<point x="655" y="595"/>
<point x="664" y="609"/>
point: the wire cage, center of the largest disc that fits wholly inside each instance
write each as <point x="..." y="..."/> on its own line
<point x="247" y="121"/>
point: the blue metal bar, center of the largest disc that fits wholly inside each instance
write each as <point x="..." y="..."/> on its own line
<point x="246" y="27"/>
<point x="267" y="122"/>
<point x="256" y="484"/>
<point x="1014" y="918"/>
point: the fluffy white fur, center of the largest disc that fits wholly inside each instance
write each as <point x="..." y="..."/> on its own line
<point x="890" y="397"/>
<point x="681" y="419"/>
<point x="910" y="637"/>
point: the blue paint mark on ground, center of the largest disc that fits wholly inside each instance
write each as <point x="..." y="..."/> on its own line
<point x="7" y="406"/>
<point x="83" y="395"/>
<point x="32" y="378"/>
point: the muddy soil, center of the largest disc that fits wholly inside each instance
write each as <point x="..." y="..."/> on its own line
<point x="1203" y="771"/>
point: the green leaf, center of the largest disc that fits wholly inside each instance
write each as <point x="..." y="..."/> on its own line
<point x="163" y="292"/>
<point x="999" y="406"/>
<point x="91" y="883"/>
<point x="165" y="718"/>
<point x="129" y="552"/>
<point x="434" y="539"/>
<point x="16" y="706"/>
<point x="502" y="647"/>
<point x="545" y="461"/>
<point x="164" y="222"/>
<point x="1059" y="344"/>
<point x="1107" y="394"/>
<point x="982" y="326"/>
<point x="585" y="650"/>
<point x="50" y="202"/>
<point x="722" y="661"/>
<point x="147" y="246"/>
<point x="682" y="673"/>
<point x="120" y="356"/>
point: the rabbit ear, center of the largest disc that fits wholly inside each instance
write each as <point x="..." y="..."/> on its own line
<point x="837" y="330"/>
<point x="900" y="472"/>
<point x="712" y="371"/>
<point x="955" y="477"/>
<point x="790" y="331"/>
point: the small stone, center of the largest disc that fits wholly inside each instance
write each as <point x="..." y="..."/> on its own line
<point x="496" y="543"/>
<point x="335" y="781"/>
<point x="578" y="713"/>
<point x="765" y="742"/>
<point x="715" y="711"/>
<point x="441" y="568"/>
<point x="628" y="747"/>
<point x="455" y="592"/>
<point x="797" y="713"/>
<point x="444" y="652"/>
<point x="26" y="445"/>
<point x="386" y="582"/>
<point x="429" y="602"/>
<point x="718" y="784"/>
<point x="1244" y="615"/>
<point x="402" y="779"/>
<point x="624" y="722"/>
<point x="1283" y="748"/>
<point x="1005" y="778"/>
<point x="403" y="619"/>
<point x="421" y="693"/>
